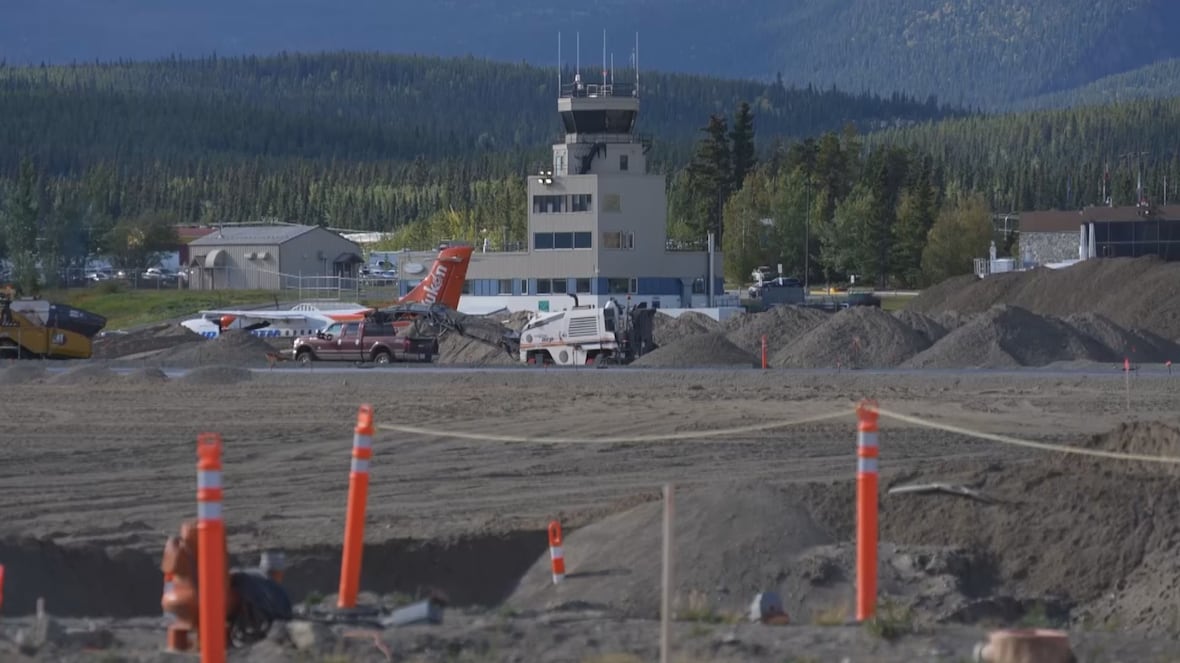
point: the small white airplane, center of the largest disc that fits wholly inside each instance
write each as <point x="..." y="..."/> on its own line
<point x="443" y="285"/>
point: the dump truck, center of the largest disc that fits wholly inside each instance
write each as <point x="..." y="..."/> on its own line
<point x="33" y="328"/>
<point x="588" y="335"/>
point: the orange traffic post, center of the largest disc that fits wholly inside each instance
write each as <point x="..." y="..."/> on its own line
<point x="764" y="352"/>
<point x="358" y="495"/>
<point x="556" y="552"/>
<point x="866" y="510"/>
<point x="211" y="571"/>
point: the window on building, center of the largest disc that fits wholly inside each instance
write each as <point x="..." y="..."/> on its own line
<point x="560" y="286"/>
<point x="617" y="239"/>
<point x="633" y="285"/>
<point x="612" y="202"/>
<point x="505" y="286"/>
<point x="563" y="240"/>
<point x="622" y="162"/>
<point x="580" y="202"/>
<point x="548" y="204"/>
<point x="467" y="287"/>
<point x="544" y="287"/>
<point x="582" y="286"/>
<point x="617" y="286"/>
<point x="524" y="286"/>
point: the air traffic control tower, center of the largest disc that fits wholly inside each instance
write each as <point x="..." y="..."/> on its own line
<point x="597" y="220"/>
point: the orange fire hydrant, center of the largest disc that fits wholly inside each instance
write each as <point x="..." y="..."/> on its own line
<point x="180" y="562"/>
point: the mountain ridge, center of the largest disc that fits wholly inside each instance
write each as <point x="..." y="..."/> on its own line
<point x="992" y="54"/>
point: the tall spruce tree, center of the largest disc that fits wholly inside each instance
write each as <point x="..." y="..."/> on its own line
<point x="742" y="149"/>
<point x="710" y="176"/>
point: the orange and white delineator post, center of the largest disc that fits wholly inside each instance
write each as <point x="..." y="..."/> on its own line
<point x="866" y="510"/>
<point x="358" y="495"/>
<point x="764" y="352"/>
<point x="211" y="571"/>
<point x="556" y="552"/>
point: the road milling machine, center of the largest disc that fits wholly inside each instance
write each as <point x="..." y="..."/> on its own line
<point x="587" y="335"/>
<point x="38" y="329"/>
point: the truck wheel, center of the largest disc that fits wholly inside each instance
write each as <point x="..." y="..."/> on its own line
<point x="305" y="358"/>
<point x="382" y="357"/>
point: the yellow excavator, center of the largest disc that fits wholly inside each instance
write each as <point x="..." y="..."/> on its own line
<point x="36" y="328"/>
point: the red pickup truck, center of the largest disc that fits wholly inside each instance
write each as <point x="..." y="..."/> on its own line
<point x="367" y="340"/>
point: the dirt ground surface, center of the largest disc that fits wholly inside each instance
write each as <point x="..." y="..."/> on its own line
<point x="99" y="469"/>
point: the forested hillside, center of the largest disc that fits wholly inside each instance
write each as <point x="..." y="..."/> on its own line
<point x="351" y="140"/>
<point x="1155" y="81"/>
<point x="986" y="53"/>
<point x="1055" y="158"/>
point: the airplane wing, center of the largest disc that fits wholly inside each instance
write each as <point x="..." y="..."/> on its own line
<point x="269" y="316"/>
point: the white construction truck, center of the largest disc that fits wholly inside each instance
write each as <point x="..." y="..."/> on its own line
<point x="587" y="335"/>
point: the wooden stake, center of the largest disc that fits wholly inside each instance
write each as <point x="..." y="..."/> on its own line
<point x="666" y="598"/>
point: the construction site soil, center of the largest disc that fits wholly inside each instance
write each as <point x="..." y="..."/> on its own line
<point x="99" y="468"/>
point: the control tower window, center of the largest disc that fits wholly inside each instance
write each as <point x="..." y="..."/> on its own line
<point x="622" y="162"/>
<point x="580" y="202"/>
<point x="548" y="204"/>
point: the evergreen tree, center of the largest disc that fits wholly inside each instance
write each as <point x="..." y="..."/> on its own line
<point x="710" y="179"/>
<point x="21" y="227"/>
<point x="742" y="145"/>
<point x="962" y="233"/>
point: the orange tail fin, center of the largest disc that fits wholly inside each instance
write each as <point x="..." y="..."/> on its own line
<point x="444" y="284"/>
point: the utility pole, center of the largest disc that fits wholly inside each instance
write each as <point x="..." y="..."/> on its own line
<point x="807" y="243"/>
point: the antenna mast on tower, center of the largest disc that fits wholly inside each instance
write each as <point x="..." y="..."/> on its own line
<point x="637" y="64"/>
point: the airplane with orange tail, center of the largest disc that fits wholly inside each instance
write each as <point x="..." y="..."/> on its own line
<point x="443" y="286"/>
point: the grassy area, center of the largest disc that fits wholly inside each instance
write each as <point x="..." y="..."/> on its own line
<point x="128" y="308"/>
<point x="895" y="302"/>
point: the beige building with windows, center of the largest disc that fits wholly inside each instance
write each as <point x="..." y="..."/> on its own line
<point x="269" y="257"/>
<point x="597" y="222"/>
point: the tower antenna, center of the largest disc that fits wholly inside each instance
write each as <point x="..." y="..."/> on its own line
<point x="604" y="57"/>
<point x="637" y="63"/>
<point x="612" y="68"/>
<point x="559" y="63"/>
<point x="578" y="62"/>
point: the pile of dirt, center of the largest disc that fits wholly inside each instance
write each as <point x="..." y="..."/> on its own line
<point x="1076" y="531"/>
<point x="216" y="376"/>
<point x="1138" y="346"/>
<point x="234" y="347"/>
<point x="85" y="375"/>
<point x="857" y="337"/>
<point x="1139" y="293"/>
<point x="22" y="373"/>
<point x="1009" y="337"/>
<point x="145" y="340"/>
<point x="925" y="325"/>
<point x="467" y="351"/>
<point x="781" y="325"/>
<point x="730" y="543"/>
<point x="667" y="329"/>
<point x="146" y="376"/>
<point x="1146" y="438"/>
<point x="711" y="349"/>
<point x="514" y="321"/>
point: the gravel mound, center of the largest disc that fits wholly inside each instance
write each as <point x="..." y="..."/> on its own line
<point x="216" y="376"/>
<point x="782" y="325"/>
<point x="857" y="337"/>
<point x="1009" y="337"/>
<point x="667" y="329"/>
<point x="146" y="376"/>
<point x="1077" y="531"/>
<point x="20" y="373"/>
<point x="1136" y="345"/>
<point x="148" y="339"/>
<point x="1137" y="293"/>
<point x="711" y="349"/>
<point x="235" y="347"/>
<point x="737" y="541"/>
<point x="464" y="350"/>
<point x="925" y="325"/>
<point x="85" y="375"/>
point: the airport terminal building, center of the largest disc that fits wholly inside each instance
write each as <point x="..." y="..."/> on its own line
<point x="597" y="224"/>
